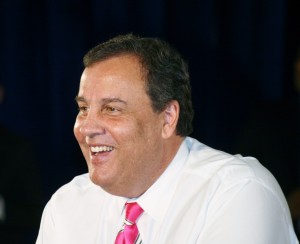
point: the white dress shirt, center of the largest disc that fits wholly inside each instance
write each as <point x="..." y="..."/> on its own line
<point x="205" y="196"/>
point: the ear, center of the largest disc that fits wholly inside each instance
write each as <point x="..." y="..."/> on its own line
<point x="171" y="115"/>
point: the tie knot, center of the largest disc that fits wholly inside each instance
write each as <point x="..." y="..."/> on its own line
<point x="133" y="211"/>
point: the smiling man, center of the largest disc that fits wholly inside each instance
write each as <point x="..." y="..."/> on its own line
<point x="148" y="181"/>
<point x="125" y="142"/>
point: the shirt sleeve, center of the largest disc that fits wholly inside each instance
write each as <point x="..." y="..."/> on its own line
<point x="248" y="213"/>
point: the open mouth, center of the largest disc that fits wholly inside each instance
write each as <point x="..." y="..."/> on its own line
<point x="101" y="149"/>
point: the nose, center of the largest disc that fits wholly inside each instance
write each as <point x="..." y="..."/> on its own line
<point x="90" y="126"/>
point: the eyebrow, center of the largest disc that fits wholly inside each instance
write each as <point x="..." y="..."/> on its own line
<point x="79" y="99"/>
<point x="114" y="99"/>
<point x="105" y="100"/>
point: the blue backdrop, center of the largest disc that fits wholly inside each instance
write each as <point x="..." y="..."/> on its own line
<point x="240" y="53"/>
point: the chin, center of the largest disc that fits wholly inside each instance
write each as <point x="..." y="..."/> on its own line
<point x="99" y="180"/>
<point x="94" y="177"/>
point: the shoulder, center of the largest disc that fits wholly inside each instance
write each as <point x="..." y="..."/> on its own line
<point x="80" y="186"/>
<point x="226" y="169"/>
<point x="80" y="182"/>
<point x="219" y="162"/>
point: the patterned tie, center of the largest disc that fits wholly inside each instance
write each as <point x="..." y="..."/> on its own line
<point x="130" y="233"/>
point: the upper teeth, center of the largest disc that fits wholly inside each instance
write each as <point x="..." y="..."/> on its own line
<point x="101" y="149"/>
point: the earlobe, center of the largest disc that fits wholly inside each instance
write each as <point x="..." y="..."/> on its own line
<point x="171" y="115"/>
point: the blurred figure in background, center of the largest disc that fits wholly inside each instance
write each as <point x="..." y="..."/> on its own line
<point x="20" y="195"/>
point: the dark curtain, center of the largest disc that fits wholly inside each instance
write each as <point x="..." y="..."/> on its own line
<point x="240" y="55"/>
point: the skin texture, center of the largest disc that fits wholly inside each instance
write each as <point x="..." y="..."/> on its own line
<point x="115" y="111"/>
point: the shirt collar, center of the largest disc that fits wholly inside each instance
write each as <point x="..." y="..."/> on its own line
<point x="156" y="199"/>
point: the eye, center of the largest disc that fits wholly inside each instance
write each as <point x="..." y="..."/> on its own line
<point x="111" y="109"/>
<point x="82" y="109"/>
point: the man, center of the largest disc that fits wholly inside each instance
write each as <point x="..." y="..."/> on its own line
<point x="135" y="115"/>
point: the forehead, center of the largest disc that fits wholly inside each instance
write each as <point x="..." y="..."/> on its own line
<point x="125" y="65"/>
<point x="116" y="76"/>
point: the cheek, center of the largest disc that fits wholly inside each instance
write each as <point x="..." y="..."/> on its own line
<point x="141" y="137"/>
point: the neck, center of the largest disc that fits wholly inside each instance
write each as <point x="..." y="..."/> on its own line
<point x="170" y="149"/>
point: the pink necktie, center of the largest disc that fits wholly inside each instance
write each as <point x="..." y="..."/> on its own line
<point x="130" y="233"/>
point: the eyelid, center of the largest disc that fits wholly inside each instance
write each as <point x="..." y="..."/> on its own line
<point x="82" y="108"/>
<point x="111" y="108"/>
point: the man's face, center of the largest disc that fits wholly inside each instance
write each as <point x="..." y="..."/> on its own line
<point x="119" y="133"/>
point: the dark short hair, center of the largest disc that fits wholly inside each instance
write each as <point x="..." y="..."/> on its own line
<point x="166" y="73"/>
